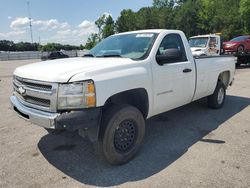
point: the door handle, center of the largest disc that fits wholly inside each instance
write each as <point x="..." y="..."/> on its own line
<point x="187" y="70"/>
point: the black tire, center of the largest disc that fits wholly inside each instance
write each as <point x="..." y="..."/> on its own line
<point x="203" y="55"/>
<point x="54" y="131"/>
<point x="122" y="134"/>
<point x="217" y="99"/>
<point x="237" y="64"/>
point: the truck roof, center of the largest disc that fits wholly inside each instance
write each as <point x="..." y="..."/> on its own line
<point x="150" y="31"/>
<point x="208" y="35"/>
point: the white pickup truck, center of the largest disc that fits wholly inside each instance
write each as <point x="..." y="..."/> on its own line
<point x="109" y="93"/>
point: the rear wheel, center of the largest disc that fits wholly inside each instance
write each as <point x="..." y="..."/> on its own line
<point x="240" y="49"/>
<point x="217" y="99"/>
<point x="123" y="129"/>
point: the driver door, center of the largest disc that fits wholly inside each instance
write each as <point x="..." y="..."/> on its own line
<point x="173" y="81"/>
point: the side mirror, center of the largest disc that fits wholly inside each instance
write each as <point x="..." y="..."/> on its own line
<point x="169" y="56"/>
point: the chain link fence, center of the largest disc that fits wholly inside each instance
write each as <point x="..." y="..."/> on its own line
<point x="5" y="56"/>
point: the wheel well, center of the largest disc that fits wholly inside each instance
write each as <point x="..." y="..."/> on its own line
<point x="224" y="77"/>
<point x="135" y="97"/>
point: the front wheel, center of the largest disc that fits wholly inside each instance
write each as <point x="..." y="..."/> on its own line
<point x="217" y="99"/>
<point x="123" y="129"/>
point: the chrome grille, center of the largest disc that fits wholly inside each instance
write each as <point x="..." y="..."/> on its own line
<point x="36" y="94"/>
<point x="37" y="101"/>
<point x="34" y="85"/>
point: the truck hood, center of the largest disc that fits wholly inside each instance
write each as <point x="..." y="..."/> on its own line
<point x="61" y="70"/>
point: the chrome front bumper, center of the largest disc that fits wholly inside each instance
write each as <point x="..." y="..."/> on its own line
<point x="41" y="118"/>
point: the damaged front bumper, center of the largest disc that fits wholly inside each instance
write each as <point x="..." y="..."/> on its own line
<point x="86" y="120"/>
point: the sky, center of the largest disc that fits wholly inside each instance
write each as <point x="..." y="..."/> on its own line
<point x="60" y="21"/>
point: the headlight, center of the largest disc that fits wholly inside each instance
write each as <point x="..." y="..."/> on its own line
<point x="76" y="95"/>
<point x="230" y="45"/>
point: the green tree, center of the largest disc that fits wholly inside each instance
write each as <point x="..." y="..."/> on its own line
<point x="147" y="18"/>
<point x="166" y="17"/>
<point x="100" y="22"/>
<point x="187" y="19"/>
<point x="167" y="3"/>
<point x="109" y="27"/>
<point x="220" y="16"/>
<point x="245" y="13"/>
<point x="50" y="47"/>
<point x="26" y="46"/>
<point x="81" y="47"/>
<point x="163" y="3"/>
<point x="229" y="17"/>
<point x="6" y="45"/>
<point x="126" y="21"/>
<point x="57" y="47"/>
<point x="92" y="41"/>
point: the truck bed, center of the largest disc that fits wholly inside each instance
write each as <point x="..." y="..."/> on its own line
<point x="208" y="70"/>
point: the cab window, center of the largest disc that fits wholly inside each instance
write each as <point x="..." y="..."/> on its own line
<point x="213" y="42"/>
<point x="172" y="41"/>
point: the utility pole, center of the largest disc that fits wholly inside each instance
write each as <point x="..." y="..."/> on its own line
<point x="30" y="22"/>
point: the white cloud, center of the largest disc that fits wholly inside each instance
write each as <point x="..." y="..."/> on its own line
<point x="19" y="23"/>
<point x="64" y="25"/>
<point x="50" y="24"/>
<point x="86" y="24"/>
<point x="51" y="30"/>
<point x="11" y="34"/>
<point x="9" y="17"/>
<point x="64" y="32"/>
<point x="77" y="35"/>
<point x="86" y="28"/>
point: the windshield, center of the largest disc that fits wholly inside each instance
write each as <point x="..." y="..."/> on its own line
<point x="198" y="42"/>
<point x="238" y="39"/>
<point x="134" y="46"/>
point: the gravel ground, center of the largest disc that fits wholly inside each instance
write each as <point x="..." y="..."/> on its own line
<point x="192" y="146"/>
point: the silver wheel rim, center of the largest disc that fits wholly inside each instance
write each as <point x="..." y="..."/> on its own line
<point x="221" y="95"/>
<point x="240" y="49"/>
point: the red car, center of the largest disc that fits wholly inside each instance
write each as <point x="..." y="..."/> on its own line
<point x="239" y="44"/>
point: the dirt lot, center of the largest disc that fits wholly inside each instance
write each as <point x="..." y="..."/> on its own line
<point x="192" y="146"/>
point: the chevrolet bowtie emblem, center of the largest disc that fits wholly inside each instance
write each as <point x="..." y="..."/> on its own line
<point x="21" y="90"/>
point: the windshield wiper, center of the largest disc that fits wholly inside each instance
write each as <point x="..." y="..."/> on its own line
<point x="110" y="55"/>
<point x="88" y="55"/>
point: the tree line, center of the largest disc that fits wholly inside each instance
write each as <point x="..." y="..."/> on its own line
<point x="6" y="45"/>
<point x="231" y="18"/>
